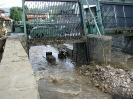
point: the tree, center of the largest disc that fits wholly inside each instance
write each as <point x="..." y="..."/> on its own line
<point x="16" y="13"/>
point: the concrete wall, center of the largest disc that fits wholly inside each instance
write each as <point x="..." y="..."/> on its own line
<point x="123" y="43"/>
<point x="22" y="38"/>
<point x="17" y="79"/>
<point x="80" y="53"/>
<point x="99" y="48"/>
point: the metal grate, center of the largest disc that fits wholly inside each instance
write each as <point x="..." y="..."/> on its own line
<point x="117" y="15"/>
<point x="53" y="20"/>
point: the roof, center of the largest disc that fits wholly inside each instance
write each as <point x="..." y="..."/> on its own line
<point x="2" y="11"/>
<point x="32" y="16"/>
<point x="5" y="18"/>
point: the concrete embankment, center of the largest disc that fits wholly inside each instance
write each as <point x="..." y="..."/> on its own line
<point x="17" y="79"/>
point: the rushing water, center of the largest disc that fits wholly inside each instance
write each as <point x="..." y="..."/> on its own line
<point x="61" y="80"/>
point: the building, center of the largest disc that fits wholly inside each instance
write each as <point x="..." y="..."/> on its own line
<point x="32" y="17"/>
<point x="4" y="21"/>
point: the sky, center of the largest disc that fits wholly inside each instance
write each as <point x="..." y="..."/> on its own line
<point x="10" y="3"/>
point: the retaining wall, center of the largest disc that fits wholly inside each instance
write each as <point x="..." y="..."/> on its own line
<point x="80" y="53"/>
<point x="17" y="79"/>
<point x="123" y="43"/>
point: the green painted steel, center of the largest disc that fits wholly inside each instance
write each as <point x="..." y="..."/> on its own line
<point x="65" y="19"/>
<point x="53" y="19"/>
<point x="83" y="18"/>
<point x="94" y="19"/>
<point x="118" y="1"/>
<point x="19" y="29"/>
<point x="99" y="18"/>
<point x="24" y="17"/>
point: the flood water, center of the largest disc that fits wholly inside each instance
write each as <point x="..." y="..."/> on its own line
<point x="61" y="80"/>
<point x="124" y="58"/>
<point x="130" y="63"/>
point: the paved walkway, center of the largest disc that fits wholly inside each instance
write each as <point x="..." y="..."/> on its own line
<point x="17" y="79"/>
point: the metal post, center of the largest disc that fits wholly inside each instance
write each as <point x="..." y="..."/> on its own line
<point x="99" y="17"/>
<point x="83" y="16"/>
<point x="94" y="19"/>
<point x="23" y="16"/>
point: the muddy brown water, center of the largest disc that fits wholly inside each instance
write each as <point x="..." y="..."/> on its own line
<point x="130" y="63"/>
<point x="61" y="80"/>
<point x="122" y="60"/>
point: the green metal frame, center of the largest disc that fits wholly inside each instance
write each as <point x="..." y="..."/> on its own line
<point x="83" y="16"/>
<point x="97" y="24"/>
<point x="94" y="19"/>
<point x="118" y="1"/>
<point x="24" y="17"/>
<point x="81" y="9"/>
<point x="100" y="25"/>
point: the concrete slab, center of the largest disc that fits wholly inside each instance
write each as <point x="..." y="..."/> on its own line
<point x="17" y="79"/>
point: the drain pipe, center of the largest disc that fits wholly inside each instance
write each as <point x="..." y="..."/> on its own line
<point x="93" y="18"/>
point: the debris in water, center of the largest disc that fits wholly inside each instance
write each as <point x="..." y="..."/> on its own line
<point x="50" y="57"/>
<point x="110" y="79"/>
<point x="54" y="81"/>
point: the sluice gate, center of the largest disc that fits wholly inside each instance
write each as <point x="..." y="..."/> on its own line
<point x="53" y="19"/>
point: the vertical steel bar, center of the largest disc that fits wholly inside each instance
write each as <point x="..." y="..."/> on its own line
<point x="82" y="18"/>
<point x="115" y="15"/>
<point x="72" y="21"/>
<point x="124" y="15"/>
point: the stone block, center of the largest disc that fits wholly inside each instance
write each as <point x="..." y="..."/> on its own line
<point x="99" y="48"/>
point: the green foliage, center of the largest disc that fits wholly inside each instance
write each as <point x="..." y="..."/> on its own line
<point x="15" y="13"/>
<point x="7" y="23"/>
